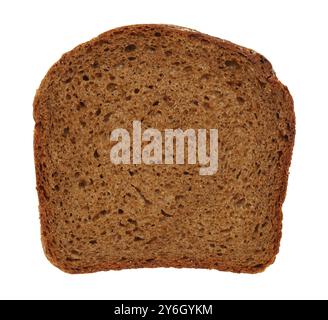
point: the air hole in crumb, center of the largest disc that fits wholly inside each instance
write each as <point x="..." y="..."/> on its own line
<point x="96" y="154"/>
<point x="100" y="214"/>
<point x="241" y="100"/>
<point x="232" y="64"/>
<point x="106" y="117"/>
<point x="138" y="239"/>
<point x="66" y="132"/>
<point x="165" y="214"/>
<point x="98" y="112"/>
<point x="136" y="91"/>
<point x="132" y="58"/>
<point x="85" y="78"/>
<point x="75" y="252"/>
<point x="130" y="47"/>
<point x="205" y="77"/>
<point x="82" y="184"/>
<point x="156" y="103"/>
<point x="95" y="64"/>
<point x="111" y="87"/>
<point x="168" y="53"/>
<point x="187" y="69"/>
<point x="240" y="202"/>
<point x="285" y="137"/>
<point x="157" y="34"/>
<point x="93" y="241"/>
<point x="132" y="221"/>
<point x="80" y="106"/>
<point x="72" y="259"/>
<point x="151" y="48"/>
<point x="120" y="211"/>
<point x="262" y="84"/>
<point x="206" y="105"/>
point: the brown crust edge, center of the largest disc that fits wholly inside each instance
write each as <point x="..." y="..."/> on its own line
<point x="259" y="61"/>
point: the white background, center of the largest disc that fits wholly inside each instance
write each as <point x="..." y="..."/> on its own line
<point x="291" y="34"/>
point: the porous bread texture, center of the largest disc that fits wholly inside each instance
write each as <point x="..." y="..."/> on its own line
<point x="99" y="216"/>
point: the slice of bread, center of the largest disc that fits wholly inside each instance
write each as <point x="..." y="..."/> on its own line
<point x="97" y="215"/>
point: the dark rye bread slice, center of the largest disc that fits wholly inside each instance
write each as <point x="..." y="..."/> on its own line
<point x="99" y="216"/>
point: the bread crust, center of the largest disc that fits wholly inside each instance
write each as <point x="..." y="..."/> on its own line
<point x="40" y="155"/>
